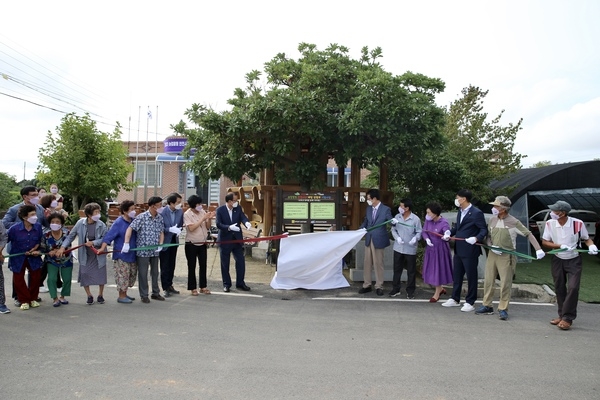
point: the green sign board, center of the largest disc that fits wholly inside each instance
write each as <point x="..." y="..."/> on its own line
<point x="313" y="208"/>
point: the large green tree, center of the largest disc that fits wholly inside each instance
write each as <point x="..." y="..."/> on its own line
<point x="84" y="162"/>
<point x="9" y="191"/>
<point x="323" y="105"/>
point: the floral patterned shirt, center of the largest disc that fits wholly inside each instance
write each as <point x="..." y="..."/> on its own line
<point x="148" y="232"/>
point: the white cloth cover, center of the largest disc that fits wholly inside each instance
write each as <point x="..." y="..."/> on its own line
<point x="314" y="260"/>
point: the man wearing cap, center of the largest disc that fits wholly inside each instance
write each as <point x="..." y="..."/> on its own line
<point x="503" y="229"/>
<point x="564" y="232"/>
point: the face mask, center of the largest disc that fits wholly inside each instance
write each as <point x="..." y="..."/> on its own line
<point x="35" y="201"/>
<point x="54" y="204"/>
<point x="198" y="208"/>
<point x="55" y="227"/>
<point x="456" y="203"/>
<point x="96" y="217"/>
<point x="178" y="206"/>
<point x="160" y="209"/>
<point x="428" y="217"/>
<point x="495" y="211"/>
<point x="401" y="210"/>
<point x="554" y="216"/>
<point x="54" y="190"/>
<point x="32" y="220"/>
<point x="370" y="202"/>
<point x="131" y="214"/>
<point x="235" y="204"/>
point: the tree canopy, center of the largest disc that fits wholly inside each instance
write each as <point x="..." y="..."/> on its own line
<point x="9" y="191"/>
<point x="323" y="105"/>
<point x="84" y="162"/>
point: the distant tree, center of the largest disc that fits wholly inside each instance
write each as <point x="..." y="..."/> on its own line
<point x="84" y="162"/>
<point x="544" y="163"/>
<point x="322" y="105"/>
<point x="483" y="146"/>
<point x="9" y="191"/>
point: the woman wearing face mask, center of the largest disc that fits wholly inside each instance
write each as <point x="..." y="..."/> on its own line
<point x="92" y="267"/>
<point x="59" y="199"/>
<point x="124" y="263"/>
<point x="50" y="205"/>
<point x="25" y="238"/>
<point x="437" y="263"/>
<point x="58" y="267"/>
<point x="197" y="224"/>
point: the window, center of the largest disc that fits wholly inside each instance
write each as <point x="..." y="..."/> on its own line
<point x="154" y="176"/>
<point x="332" y="177"/>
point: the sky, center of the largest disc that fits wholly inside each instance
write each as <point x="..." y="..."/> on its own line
<point x="539" y="60"/>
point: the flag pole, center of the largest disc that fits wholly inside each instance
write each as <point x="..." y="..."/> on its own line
<point x="137" y="152"/>
<point x="156" y="162"/>
<point x="146" y="160"/>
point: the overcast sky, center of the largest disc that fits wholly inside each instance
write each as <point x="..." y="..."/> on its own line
<point x="540" y="60"/>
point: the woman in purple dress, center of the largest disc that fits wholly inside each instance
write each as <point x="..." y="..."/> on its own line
<point x="437" y="264"/>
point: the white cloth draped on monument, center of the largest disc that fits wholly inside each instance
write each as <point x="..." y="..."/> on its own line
<point x="314" y="260"/>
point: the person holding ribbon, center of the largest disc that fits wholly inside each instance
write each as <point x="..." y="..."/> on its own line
<point x="437" y="261"/>
<point x="503" y="229"/>
<point x="562" y="234"/>
<point x="60" y="269"/>
<point x="149" y="226"/>
<point x="90" y="231"/>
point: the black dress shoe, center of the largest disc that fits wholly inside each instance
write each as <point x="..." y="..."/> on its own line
<point x="157" y="297"/>
<point x="172" y="290"/>
<point x="226" y="289"/>
<point x="244" y="288"/>
<point x="379" y="292"/>
<point x="364" y="290"/>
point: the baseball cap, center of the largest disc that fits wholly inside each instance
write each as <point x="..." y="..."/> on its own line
<point x="560" y="206"/>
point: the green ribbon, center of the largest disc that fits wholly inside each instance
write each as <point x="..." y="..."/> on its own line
<point x="381" y="224"/>
<point x="154" y="247"/>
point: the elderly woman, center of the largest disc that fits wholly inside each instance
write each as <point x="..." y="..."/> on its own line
<point x="437" y="263"/>
<point x="50" y="204"/>
<point x="58" y="197"/>
<point x="197" y="224"/>
<point x="25" y="238"/>
<point x="124" y="263"/>
<point x="92" y="267"/>
<point x="58" y="267"/>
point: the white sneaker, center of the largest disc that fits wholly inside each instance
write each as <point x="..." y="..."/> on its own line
<point x="467" y="308"/>
<point x="43" y="289"/>
<point x="450" y="303"/>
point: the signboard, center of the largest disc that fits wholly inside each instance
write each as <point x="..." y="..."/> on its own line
<point x="174" y="145"/>
<point x="311" y="208"/>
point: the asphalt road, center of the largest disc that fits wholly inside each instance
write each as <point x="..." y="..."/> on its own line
<point x="296" y="344"/>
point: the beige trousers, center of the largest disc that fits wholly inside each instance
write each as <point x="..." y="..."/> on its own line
<point x="503" y="265"/>
<point x="373" y="258"/>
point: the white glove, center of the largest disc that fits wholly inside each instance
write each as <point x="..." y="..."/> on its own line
<point x="175" y="230"/>
<point x="495" y="251"/>
<point x="158" y="249"/>
<point x="540" y="254"/>
<point x="446" y="236"/>
<point x="593" y="250"/>
<point x="399" y="240"/>
<point x="125" y="248"/>
<point x="413" y="241"/>
<point x="564" y="246"/>
<point x="248" y="225"/>
<point x="363" y="229"/>
<point x="428" y="241"/>
<point x="234" y="227"/>
<point x="394" y="221"/>
<point x="471" y="240"/>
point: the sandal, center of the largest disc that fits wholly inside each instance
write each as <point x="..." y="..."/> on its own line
<point x="564" y="325"/>
<point x="204" y="290"/>
<point x="555" y="321"/>
<point x="194" y="292"/>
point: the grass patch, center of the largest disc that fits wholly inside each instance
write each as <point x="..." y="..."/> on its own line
<point x="538" y="272"/>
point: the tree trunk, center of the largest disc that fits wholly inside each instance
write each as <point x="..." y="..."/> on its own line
<point x="75" y="199"/>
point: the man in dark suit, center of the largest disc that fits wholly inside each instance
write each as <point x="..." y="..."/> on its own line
<point x="376" y="241"/>
<point x="229" y="220"/>
<point x="470" y="228"/>
<point x="173" y="220"/>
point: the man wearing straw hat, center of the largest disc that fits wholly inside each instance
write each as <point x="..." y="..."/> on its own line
<point x="503" y="229"/>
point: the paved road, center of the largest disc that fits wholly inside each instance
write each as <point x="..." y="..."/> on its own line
<point x="294" y="344"/>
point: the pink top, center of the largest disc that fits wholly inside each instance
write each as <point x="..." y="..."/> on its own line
<point x="200" y="233"/>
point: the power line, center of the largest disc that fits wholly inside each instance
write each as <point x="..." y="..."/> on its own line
<point x="29" y="101"/>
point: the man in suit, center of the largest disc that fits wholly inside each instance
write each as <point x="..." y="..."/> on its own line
<point x="173" y="223"/>
<point x="229" y="219"/>
<point x="470" y="228"/>
<point x="376" y="241"/>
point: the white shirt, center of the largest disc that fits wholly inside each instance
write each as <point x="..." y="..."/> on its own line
<point x="565" y="234"/>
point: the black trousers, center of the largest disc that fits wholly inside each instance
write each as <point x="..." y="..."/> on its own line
<point x="462" y="266"/>
<point x="240" y="264"/>
<point x="193" y="253"/>
<point x="567" y="277"/>
<point x="167" y="264"/>
<point x="409" y="263"/>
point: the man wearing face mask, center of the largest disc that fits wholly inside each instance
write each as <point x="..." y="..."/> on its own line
<point x="503" y="229"/>
<point x="30" y="197"/>
<point x="229" y="219"/>
<point x="470" y="228"/>
<point x="173" y="221"/>
<point x="564" y="232"/>
<point x="376" y="240"/>
<point x="406" y="234"/>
